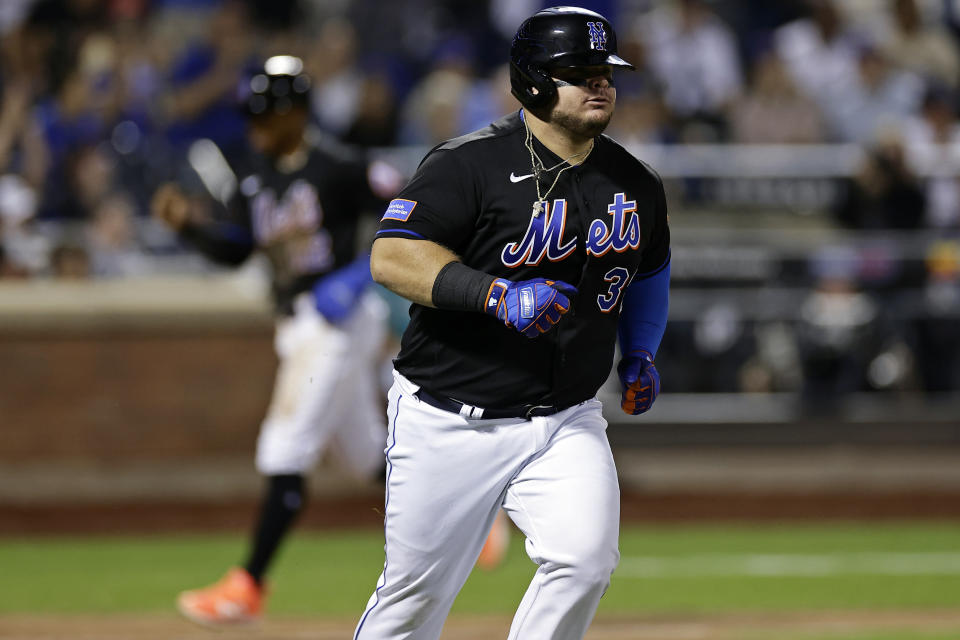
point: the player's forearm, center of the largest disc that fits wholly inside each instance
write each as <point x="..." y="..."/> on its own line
<point x="223" y="243"/>
<point x="408" y="267"/>
<point x="643" y="318"/>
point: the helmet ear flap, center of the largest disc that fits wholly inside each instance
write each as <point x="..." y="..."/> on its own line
<point x="531" y="85"/>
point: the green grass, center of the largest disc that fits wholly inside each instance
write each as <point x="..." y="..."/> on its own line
<point x="673" y="547"/>
<point x="334" y="573"/>
<point x="902" y="634"/>
<point x="885" y="635"/>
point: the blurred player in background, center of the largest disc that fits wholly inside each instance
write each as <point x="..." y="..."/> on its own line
<point x="526" y="248"/>
<point x="299" y="202"/>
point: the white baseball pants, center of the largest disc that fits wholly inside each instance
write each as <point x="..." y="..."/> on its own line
<point x="326" y="391"/>
<point x="446" y="478"/>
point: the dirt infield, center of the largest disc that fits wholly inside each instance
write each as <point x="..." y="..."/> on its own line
<point x="699" y="627"/>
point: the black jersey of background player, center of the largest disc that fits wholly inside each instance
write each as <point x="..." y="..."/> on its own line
<point x="606" y="221"/>
<point x="304" y="220"/>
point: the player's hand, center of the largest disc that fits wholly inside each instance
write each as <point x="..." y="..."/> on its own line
<point x="170" y="206"/>
<point x="529" y="306"/>
<point x="639" y="382"/>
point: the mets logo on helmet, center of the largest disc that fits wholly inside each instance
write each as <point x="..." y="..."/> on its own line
<point x="598" y="37"/>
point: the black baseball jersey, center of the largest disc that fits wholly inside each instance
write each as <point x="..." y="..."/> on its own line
<point x="605" y="222"/>
<point x="304" y="220"/>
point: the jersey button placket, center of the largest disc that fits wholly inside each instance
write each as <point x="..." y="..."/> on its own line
<point x="583" y="198"/>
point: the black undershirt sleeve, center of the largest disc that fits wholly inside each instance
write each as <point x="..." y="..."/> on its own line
<point x="222" y="242"/>
<point x="461" y="288"/>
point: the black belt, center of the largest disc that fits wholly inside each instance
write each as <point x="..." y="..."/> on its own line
<point x="469" y="411"/>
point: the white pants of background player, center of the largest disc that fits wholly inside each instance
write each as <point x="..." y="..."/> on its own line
<point x="446" y="478"/>
<point x="326" y="391"/>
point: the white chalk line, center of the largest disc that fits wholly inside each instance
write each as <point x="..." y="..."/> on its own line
<point x="768" y="564"/>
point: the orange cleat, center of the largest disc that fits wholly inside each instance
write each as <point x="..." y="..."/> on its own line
<point x="495" y="548"/>
<point x="236" y="599"/>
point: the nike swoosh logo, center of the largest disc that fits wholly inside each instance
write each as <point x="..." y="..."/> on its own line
<point x="516" y="178"/>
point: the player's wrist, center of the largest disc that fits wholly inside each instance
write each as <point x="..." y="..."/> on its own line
<point x="461" y="288"/>
<point x="494" y="295"/>
<point x="188" y="230"/>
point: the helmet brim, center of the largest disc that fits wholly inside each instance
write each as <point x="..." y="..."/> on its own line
<point x="568" y="61"/>
<point x="617" y="61"/>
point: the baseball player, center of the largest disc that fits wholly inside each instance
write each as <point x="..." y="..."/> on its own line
<point x="526" y="248"/>
<point x="299" y="202"/>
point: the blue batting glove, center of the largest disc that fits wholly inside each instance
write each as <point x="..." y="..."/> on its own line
<point x="529" y="306"/>
<point x="639" y="382"/>
<point x="336" y="294"/>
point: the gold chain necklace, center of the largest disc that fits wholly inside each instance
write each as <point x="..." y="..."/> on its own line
<point x="540" y="205"/>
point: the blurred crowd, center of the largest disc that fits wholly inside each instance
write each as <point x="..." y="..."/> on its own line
<point x="100" y="101"/>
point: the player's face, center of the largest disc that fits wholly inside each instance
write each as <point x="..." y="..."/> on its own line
<point x="585" y="99"/>
<point x="274" y="134"/>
